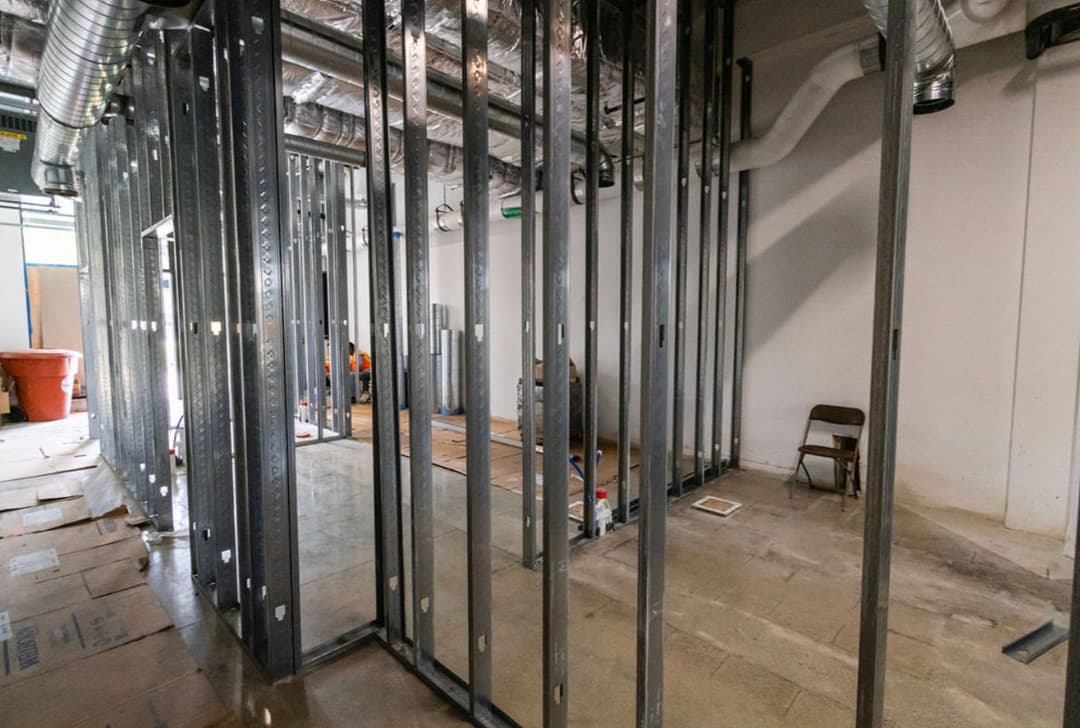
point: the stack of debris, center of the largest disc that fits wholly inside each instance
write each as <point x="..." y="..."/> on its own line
<point x="83" y="639"/>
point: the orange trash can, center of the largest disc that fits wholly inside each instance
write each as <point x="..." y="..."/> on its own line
<point x="43" y="380"/>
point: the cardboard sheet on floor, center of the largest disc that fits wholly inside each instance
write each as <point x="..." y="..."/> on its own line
<point x="189" y="702"/>
<point x="24" y="597"/>
<point x="19" y="498"/>
<point x="96" y="684"/>
<point x="104" y="492"/>
<point x="50" y="554"/>
<point x="60" y="489"/>
<point x="49" y="641"/>
<point x="44" y="517"/>
<point x="113" y="577"/>
<point x="76" y="562"/>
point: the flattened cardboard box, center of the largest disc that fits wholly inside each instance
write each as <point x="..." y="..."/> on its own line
<point x="190" y="702"/>
<point x="79" y="537"/>
<point x="85" y="688"/>
<point x="49" y="641"/>
<point x="44" y="517"/>
<point x="26" y="597"/>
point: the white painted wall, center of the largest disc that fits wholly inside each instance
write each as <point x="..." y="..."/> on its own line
<point x="14" y="331"/>
<point x="991" y="350"/>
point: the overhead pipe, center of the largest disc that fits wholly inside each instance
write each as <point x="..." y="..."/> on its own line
<point x="332" y="128"/>
<point x="87" y="45"/>
<point x="316" y="51"/>
<point x="853" y="61"/>
<point x="971" y="23"/>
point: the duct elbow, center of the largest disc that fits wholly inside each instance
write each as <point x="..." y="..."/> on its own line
<point x="934" y="93"/>
<point x="54" y="179"/>
<point x="935" y="53"/>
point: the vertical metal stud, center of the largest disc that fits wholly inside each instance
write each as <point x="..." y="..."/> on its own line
<point x="218" y="457"/>
<point x="192" y="122"/>
<point x="337" y="295"/>
<point x="384" y="326"/>
<point x="708" y="141"/>
<point x="477" y="345"/>
<point x="592" y="255"/>
<point x="682" y="231"/>
<point x="157" y="394"/>
<point x="738" y="353"/>
<point x="724" y="182"/>
<point x="419" y="318"/>
<point x="626" y="261"/>
<point x="259" y="227"/>
<point x="528" y="284"/>
<point x="655" y="367"/>
<point x="557" y="75"/>
<point x="1072" y="675"/>
<point x="885" y="363"/>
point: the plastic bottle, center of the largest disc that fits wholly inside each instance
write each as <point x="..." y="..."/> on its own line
<point x="603" y="513"/>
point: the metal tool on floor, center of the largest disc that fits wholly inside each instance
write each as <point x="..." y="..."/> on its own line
<point x="1036" y="643"/>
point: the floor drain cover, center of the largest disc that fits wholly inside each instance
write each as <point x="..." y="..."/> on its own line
<point x="717" y="506"/>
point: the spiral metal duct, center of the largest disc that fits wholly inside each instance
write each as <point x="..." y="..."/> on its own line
<point x="88" y="44"/>
<point x="934" y="52"/>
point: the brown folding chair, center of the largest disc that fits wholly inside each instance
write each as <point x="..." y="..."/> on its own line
<point x="848" y="459"/>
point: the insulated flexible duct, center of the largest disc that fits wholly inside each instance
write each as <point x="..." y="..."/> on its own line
<point x="346" y="130"/>
<point x="86" y="48"/>
<point x="934" y="52"/>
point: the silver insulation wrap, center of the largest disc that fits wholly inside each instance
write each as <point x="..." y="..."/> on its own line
<point x="87" y="46"/>
<point x="347" y="130"/>
<point x="934" y="52"/>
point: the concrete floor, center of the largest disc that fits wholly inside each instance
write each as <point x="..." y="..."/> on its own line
<point x="762" y="615"/>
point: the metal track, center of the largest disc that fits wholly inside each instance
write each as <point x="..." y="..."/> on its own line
<point x="383" y="329"/>
<point x="626" y="264"/>
<point x="720" y="315"/>
<point x="738" y="346"/>
<point x="421" y="398"/>
<point x="885" y="364"/>
<point x="528" y="284"/>
<point x="708" y="125"/>
<point x="477" y="345"/>
<point x="655" y="367"/>
<point x="557" y="73"/>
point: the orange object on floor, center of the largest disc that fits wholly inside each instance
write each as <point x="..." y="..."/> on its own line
<point x="43" y="380"/>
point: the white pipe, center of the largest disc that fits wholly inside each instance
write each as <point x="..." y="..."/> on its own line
<point x="802" y="109"/>
<point x="972" y="22"/>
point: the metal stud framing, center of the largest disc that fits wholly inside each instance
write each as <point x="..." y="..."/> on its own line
<point x="626" y="262"/>
<point x="708" y="126"/>
<point x="592" y="255"/>
<point x="556" y="14"/>
<point x="421" y="398"/>
<point x="120" y="283"/>
<point x="255" y="142"/>
<point x="738" y="353"/>
<point x="390" y="564"/>
<point x="528" y="284"/>
<point x="720" y="315"/>
<point x="655" y="367"/>
<point x="477" y="345"/>
<point x="1072" y="675"/>
<point x="885" y="363"/>
<point x="682" y="231"/>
